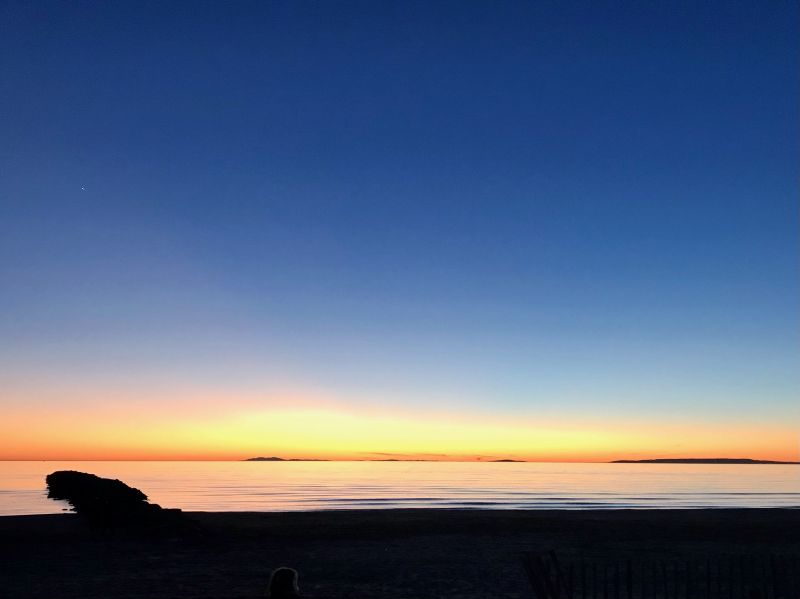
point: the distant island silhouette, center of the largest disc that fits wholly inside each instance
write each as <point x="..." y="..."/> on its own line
<point x="700" y="461"/>
<point x="397" y="460"/>
<point x="276" y="459"/>
<point x="649" y="461"/>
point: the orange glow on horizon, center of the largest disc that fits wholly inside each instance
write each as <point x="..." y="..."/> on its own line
<point x="324" y="431"/>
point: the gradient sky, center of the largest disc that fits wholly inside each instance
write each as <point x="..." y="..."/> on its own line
<point x="451" y="229"/>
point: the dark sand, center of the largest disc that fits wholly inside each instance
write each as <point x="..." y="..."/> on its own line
<point x="415" y="554"/>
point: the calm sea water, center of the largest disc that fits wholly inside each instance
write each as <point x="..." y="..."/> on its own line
<point x="278" y="486"/>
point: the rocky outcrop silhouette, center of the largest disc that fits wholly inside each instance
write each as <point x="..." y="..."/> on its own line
<point x="111" y="504"/>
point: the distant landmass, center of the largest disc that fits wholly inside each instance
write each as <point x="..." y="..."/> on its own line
<point x="652" y="461"/>
<point x="274" y="459"/>
<point x="397" y="460"/>
<point x="277" y="459"/>
<point x="701" y="461"/>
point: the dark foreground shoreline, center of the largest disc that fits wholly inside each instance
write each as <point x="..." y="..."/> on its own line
<point x="408" y="553"/>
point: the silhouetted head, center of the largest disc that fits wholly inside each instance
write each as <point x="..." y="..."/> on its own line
<point x="283" y="584"/>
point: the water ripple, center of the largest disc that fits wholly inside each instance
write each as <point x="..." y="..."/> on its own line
<point x="291" y="486"/>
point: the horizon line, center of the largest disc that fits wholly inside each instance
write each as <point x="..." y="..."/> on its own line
<point x="492" y="461"/>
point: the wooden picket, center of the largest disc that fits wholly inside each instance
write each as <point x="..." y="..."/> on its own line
<point x="733" y="577"/>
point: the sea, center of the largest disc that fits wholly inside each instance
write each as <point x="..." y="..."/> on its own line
<point x="307" y="486"/>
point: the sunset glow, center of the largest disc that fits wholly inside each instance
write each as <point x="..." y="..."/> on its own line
<point x="439" y="300"/>
<point x="340" y="434"/>
<point x="342" y="232"/>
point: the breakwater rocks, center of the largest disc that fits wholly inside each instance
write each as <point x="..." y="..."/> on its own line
<point x="111" y="504"/>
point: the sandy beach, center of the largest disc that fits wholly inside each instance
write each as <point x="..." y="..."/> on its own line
<point x="383" y="553"/>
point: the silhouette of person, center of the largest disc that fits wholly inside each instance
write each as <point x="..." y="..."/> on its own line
<point x="283" y="584"/>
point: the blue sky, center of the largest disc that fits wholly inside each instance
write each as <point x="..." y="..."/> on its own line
<point x="579" y="209"/>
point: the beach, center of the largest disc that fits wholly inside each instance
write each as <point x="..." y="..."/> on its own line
<point x="405" y="553"/>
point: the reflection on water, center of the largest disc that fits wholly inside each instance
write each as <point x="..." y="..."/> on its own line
<point x="278" y="486"/>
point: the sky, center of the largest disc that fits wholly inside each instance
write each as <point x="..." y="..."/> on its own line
<point x="359" y="230"/>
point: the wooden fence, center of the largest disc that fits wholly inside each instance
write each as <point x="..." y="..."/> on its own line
<point x="734" y="577"/>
